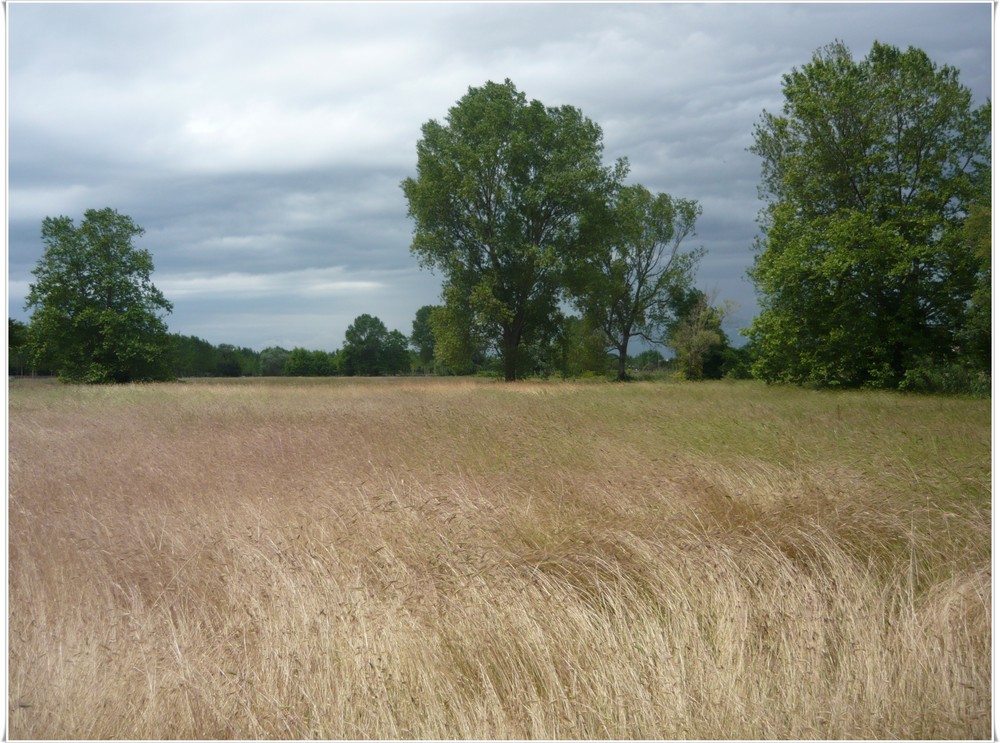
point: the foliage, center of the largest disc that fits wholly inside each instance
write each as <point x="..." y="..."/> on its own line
<point x="976" y="336"/>
<point x="954" y="377"/>
<point x="647" y="360"/>
<point x="699" y="343"/>
<point x="305" y="363"/>
<point x="626" y="282"/>
<point x="582" y="348"/>
<point x="190" y="356"/>
<point x="237" y="362"/>
<point x="546" y="353"/>
<point x="869" y="177"/>
<point x="18" y="352"/>
<point x="503" y="192"/>
<point x="737" y="363"/>
<point x="370" y="349"/>
<point x="458" y="347"/>
<point x="96" y="312"/>
<point x="272" y="361"/>
<point x="395" y="354"/>
<point x="422" y="337"/>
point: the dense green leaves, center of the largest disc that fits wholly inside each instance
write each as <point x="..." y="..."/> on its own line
<point x="869" y="175"/>
<point x="18" y="353"/>
<point x="97" y="314"/>
<point x="302" y="362"/>
<point x="191" y="356"/>
<point x="272" y="361"/>
<point x="370" y="349"/>
<point x="503" y="194"/>
<point x="976" y="336"/>
<point x="422" y="336"/>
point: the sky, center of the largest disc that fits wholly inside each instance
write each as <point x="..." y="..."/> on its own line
<point x="261" y="145"/>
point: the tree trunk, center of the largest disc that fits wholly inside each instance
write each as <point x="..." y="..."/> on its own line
<point x="622" y="366"/>
<point x="622" y="348"/>
<point x="511" y="343"/>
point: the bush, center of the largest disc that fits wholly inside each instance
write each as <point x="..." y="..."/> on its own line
<point x="951" y="377"/>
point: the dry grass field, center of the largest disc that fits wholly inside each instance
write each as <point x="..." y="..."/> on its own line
<point x="448" y="558"/>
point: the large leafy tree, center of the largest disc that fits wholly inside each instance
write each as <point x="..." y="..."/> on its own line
<point x="626" y="282"/>
<point x="868" y="174"/>
<point x="503" y="192"/>
<point x="97" y="315"/>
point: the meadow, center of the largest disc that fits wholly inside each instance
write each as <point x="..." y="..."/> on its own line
<point x="447" y="558"/>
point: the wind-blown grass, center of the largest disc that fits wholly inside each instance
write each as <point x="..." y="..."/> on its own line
<point x="464" y="559"/>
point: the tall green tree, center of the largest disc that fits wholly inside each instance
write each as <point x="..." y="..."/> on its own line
<point x="97" y="315"/>
<point x="626" y="282"/>
<point x="868" y="176"/>
<point x="503" y="193"/>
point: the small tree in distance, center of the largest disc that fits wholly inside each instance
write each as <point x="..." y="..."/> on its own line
<point x="697" y="337"/>
<point x="370" y="349"/>
<point x="97" y="315"/>
<point x="272" y="361"/>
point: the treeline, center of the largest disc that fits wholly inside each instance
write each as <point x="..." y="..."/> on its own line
<point x="574" y="350"/>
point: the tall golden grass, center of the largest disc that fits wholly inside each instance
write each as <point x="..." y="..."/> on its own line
<point x="465" y="559"/>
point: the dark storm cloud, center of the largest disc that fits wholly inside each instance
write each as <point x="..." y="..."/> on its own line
<point x="261" y="146"/>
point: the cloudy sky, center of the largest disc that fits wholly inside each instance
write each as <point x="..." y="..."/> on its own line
<point x="261" y="146"/>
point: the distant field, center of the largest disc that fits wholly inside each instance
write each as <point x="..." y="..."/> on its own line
<point x="448" y="558"/>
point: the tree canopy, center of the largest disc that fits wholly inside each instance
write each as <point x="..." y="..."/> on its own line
<point x="97" y="315"/>
<point x="869" y="175"/>
<point x="503" y="192"/>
